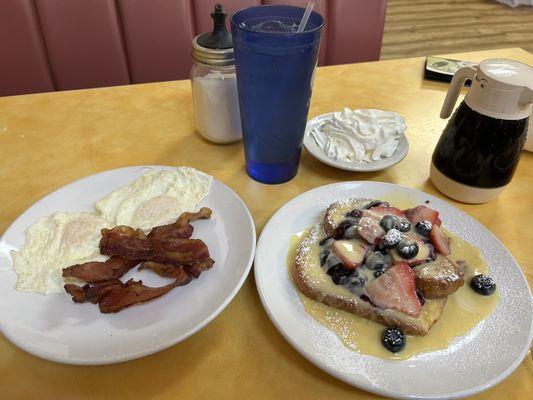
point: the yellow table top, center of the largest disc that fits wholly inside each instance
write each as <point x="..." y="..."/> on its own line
<point x="48" y="140"/>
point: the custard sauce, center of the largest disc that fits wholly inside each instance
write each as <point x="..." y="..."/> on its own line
<point x="463" y="310"/>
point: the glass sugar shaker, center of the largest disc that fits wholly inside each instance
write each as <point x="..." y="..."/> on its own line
<point x="214" y="83"/>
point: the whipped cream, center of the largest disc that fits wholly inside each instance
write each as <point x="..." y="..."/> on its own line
<point x="363" y="135"/>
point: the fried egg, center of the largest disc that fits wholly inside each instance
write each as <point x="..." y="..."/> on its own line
<point x="53" y="243"/>
<point x="156" y="198"/>
<point x="64" y="239"/>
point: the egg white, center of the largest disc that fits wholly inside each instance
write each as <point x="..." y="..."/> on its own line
<point x="156" y="198"/>
<point x="53" y="243"/>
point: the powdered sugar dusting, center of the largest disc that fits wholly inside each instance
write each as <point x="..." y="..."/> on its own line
<point x="338" y="209"/>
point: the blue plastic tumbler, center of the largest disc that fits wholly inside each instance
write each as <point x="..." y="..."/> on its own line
<point x="275" y="67"/>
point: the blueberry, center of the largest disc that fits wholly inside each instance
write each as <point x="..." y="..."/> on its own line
<point x="375" y="265"/>
<point x="323" y="257"/>
<point x="364" y="297"/>
<point x="377" y="260"/>
<point x="421" y="297"/>
<point x="351" y="232"/>
<point x="403" y="226"/>
<point x="392" y="238"/>
<point x="324" y="241"/>
<point x="379" y="272"/>
<point x="376" y="203"/>
<point x="341" y="229"/>
<point x="407" y="248"/>
<point x="356" y="280"/>
<point x="483" y="284"/>
<point x="423" y="227"/>
<point x="388" y="222"/>
<point x="393" y="339"/>
<point x="355" y="214"/>
<point x="338" y="274"/>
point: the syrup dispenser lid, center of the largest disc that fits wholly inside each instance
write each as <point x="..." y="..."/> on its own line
<point x="505" y="74"/>
<point x="502" y="89"/>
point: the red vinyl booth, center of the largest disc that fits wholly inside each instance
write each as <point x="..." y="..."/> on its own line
<point x="48" y="45"/>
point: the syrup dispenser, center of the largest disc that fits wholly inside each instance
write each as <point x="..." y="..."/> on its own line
<point x="478" y="151"/>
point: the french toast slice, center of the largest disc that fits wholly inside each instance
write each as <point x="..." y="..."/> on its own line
<point x="313" y="281"/>
<point x="434" y="279"/>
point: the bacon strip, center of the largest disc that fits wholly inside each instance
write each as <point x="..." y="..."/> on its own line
<point x="81" y="294"/>
<point x="171" y="271"/>
<point x="182" y="228"/>
<point x="123" y="241"/>
<point x="131" y="293"/>
<point x="166" y="250"/>
<point x="197" y="268"/>
<point x="117" y="242"/>
<point x="165" y="270"/>
<point x="98" y="271"/>
<point x="114" y="295"/>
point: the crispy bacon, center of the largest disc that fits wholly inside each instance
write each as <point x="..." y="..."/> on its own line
<point x="197" y="268"/>
<point x="166" y="250"/>
<point x="98" y="271"/>
<point x="182" y="228"/>
<point x="171" y="271"/>
<point x="77" y="292"/>
<point x="81" y="294"/>
<point x="131" y="293"/>
<point x="124" y="241"/>
<point x="179" y="251"/>
<point x="114" y="295"/>
<point x="165" y="270"/>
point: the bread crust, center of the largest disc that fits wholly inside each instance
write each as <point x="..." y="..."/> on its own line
<point x="337" y="211"/>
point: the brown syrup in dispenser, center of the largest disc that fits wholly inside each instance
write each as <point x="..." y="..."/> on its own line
<point x="479" y="150"/>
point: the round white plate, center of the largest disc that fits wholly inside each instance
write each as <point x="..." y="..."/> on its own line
<point x="312" y="147"/>
<point x="472" y="363"/>
<point x="55" y="328"/>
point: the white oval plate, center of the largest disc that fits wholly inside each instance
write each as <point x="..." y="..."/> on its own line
<point x="358" y="166"/>
<point x="55" y="328"/>
<point x="472" y="363"/>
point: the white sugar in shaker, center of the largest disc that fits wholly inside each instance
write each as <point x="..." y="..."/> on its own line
<point x="214" y="83"/>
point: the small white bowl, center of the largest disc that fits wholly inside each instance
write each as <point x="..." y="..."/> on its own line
<point x="360" y="166"/>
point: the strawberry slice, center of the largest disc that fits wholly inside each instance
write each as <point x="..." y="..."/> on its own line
<point x="382" y="211"/>
<point x="368" y="227"/>
<point x="422" y="213"/>
<point x="440" y="241"/>
<point x="395" y="289"/>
